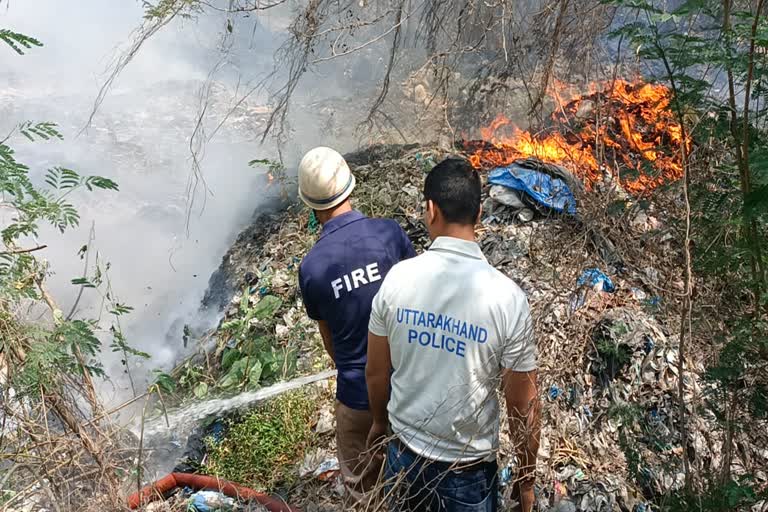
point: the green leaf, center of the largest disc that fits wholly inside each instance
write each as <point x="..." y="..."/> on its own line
<point x="100" y="182"/>
<point x="757" y="201"/>
<point x="201" y="390"/>
<point x="256" y="346"/>
<point x="68" y="179"/>
<point x="52" y="178"/>
<point x="254" y="374"/>
<point x="165" y="382"/>
<point x="267" y="307"/>
<point x="244" y="302"/>
<point x="231" y="325"/>
<point x="45" y="131"/>
<point x="18" y="42"/>
<point x="261" y="161"/>
<point x="235" y="375"/>
<point x="82" y="281"/>
<point x="120" y="309"/>
<point x="229" y="357"/>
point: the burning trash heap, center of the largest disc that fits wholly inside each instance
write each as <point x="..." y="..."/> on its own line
<point x="621" y="129"/>
<point x="598" y="265"/>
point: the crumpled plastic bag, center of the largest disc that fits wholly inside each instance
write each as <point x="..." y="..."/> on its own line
<point x="506" y="196"/>
<point x="210" y="501"/>
<point x="593" y="277"/>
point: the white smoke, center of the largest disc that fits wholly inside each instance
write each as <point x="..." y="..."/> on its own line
<point x="139" y="138"/>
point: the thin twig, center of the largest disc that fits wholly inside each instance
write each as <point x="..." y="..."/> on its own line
<point x="25" y="251"/>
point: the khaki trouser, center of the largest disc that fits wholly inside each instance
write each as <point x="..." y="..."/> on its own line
<point x="359" y="470"/>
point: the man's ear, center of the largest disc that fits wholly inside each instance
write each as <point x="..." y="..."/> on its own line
<point x="431" y="211"/>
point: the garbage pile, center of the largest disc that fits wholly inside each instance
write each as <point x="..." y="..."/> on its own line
<point x="604" y="320"/>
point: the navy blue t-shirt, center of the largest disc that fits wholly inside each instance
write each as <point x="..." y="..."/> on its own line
<point x="338" y="280"/>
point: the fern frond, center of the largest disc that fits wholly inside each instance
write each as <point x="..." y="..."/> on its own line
<point x="18" y="42"/>
<point x="45" y="130"/>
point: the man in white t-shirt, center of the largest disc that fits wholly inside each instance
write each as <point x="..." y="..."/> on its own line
<point x="446" y="330"/>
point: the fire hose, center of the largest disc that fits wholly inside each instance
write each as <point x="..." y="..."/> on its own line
<point x="205" y="483"/>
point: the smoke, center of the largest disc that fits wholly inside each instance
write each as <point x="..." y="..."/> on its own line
<point x="161" y="252"/>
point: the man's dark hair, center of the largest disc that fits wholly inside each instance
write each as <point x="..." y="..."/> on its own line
<point x="454" y="186"/>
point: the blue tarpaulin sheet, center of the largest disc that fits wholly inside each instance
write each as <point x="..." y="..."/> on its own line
<point x="546" y="190"/>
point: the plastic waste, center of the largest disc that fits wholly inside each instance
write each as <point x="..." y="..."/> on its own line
<point x="593" y="277"/>
<point x="427" y="162"/>
<point x="545" y="190"/>
<point x="653" y="301"/>
<point x="210" y="501"/>
<point x="525" y="215"/>
<point x="574" y="396"/>
<point x="320" y="465"/>
<point x="648" y="345"/>
<point x="325" y="422"/>
<point x="505" y="475"/>
<point x="577" y="300"/>
<point x="554" y="392"/>
<point x="216" y="430"/>
<point x="327" y="469"/>
<point x="313" y="225"/>
<point x="506" y="196"/>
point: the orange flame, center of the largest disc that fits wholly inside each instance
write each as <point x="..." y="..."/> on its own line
<point x="620" y="128"/>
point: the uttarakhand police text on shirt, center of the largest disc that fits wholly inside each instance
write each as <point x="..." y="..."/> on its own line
<point x="455" y="335"/>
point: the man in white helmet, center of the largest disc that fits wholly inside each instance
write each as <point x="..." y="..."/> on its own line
<point x="338" y="279"/>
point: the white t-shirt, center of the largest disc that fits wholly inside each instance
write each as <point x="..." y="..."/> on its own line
<point x="453" y="322"/>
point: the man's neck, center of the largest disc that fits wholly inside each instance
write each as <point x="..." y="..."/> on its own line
<point x="460" y="231"/>
<point x="324" y="216"/>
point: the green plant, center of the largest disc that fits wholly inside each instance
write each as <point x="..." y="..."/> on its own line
<point x="693" y="46"/>
<point x="737" y="494"/>
<point x="275" y="172"/>
<point x="261" y="448"/>
<point x="163" y="10"/>
<point x="242" y="326"/>
<point x="251" y="357"/>
<point x="274" y="168"/>
<point x="72" y="344"/>
<point x="164" y="382"/>
<point x="192" y="376"/>
<point x="49" y="368"/>
<point x="613" y="354"/>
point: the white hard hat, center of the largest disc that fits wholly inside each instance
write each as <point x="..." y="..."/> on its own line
<point x="325" y="180"/>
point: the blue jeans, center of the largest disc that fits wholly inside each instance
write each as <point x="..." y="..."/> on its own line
<point x="416" y="484"/>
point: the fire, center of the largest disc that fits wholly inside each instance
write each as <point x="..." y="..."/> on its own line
<point x="620" y="128"/>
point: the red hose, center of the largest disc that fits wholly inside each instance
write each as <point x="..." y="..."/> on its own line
<point x="205" y="483"/>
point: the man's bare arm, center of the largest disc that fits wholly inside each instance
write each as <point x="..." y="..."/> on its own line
<point x="524" y="411"/>
<point x="377" y="378"/>
<point x="325" y="333"/>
